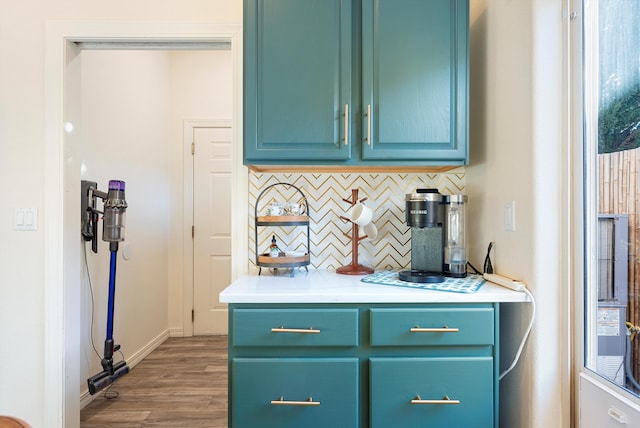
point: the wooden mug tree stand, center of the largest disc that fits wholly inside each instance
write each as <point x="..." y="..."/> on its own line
<point x="354" y="268"/>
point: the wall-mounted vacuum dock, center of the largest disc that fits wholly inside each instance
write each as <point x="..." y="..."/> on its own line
<point x="114" y="210"/>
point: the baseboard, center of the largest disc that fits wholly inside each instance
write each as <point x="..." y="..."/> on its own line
<point x="176" y="332"/>
<point x="132" y="361"/>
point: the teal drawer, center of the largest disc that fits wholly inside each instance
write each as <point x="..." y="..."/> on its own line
<point x="295" y="327"/>
<point x="432" y="326"/>
<point x="294" y="392"/>
<point x="433" y="392"/>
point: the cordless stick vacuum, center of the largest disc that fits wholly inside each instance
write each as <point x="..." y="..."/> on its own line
<point x="114" y="207"/>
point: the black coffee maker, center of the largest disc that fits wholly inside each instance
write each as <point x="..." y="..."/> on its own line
<point x="425" y="214"/>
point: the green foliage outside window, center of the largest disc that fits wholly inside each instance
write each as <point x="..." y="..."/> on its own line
<point x="618" y="124"/>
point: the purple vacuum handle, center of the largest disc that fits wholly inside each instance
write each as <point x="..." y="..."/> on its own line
<point x="116" y="185"/>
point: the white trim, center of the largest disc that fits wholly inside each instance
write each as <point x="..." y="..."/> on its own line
<point x="597" y="412"/>
<point x="240" y="196"/>
<point x="588" y="198"/>
<point x="568" y="207"/>
<point x="176" y="332"/>
<point x="54" y="387"/>
<point x="187" y="239"/>
<point x="576" y="191"/>
<point x="58" y="393"/>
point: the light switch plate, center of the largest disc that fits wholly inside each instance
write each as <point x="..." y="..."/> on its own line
<point x="510" y="216"/>
<point x="25" y="219"/>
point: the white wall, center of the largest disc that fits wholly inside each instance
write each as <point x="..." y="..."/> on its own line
<point x="201" y="88"/>
<point x="22" y="179"/>
<point x="519" y="153"/>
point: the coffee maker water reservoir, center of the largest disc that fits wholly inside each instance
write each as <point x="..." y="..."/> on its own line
<point x="455" y="251"/>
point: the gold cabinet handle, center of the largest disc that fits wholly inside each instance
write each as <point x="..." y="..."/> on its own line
<point x="281" y="402"/>
<point x="445" y="400"/>
<point x="445" y="329"/>
<point x="309" y="330"/>
<point x="346" y="124"/>
<point x="368" y="124"/>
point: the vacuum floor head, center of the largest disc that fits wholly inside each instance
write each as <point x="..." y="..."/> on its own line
<point x="103" y="379"/>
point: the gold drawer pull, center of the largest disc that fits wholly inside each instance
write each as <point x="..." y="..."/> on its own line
<point x="445" y="400"/>
<point x="444" y="329"/>
<point x="309" y="330"/>
<point x="280" y="402"/>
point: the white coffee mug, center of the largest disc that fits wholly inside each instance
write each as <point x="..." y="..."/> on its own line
<point x="360" y="214"/>
<point x="370" y="231"/>
<point x="276" y="208"/>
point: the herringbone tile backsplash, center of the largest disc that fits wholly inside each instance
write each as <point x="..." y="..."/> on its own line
<point x="330" y="248"/>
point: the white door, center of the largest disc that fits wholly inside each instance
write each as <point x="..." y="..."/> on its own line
<point x="607" y="279"/>
<point x="212" y="150"/>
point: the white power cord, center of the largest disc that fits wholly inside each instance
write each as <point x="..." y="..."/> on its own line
<point x="526" y="335"/>
<point x="517" y="286"/>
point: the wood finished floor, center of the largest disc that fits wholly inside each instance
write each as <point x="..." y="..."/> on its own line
<point x="183" y="383"/>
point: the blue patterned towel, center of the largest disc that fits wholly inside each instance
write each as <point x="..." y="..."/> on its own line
<point x="470" y="284"/>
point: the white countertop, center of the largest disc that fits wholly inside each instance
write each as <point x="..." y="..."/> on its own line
<point x="322" y="286"/>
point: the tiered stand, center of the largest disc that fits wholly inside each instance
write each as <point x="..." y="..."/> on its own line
<point x="265" y="260"/>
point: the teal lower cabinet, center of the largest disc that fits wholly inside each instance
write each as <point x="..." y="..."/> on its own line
<point x="295" y="392"/>
<point x="446" y="392"/>
<point x="363" y="365"/>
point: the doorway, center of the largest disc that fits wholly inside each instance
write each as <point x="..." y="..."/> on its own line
<point x="133" y="107"/>
<point x="64" y="44"/>
<point x="608" y="305"/>
<point x="210" y="145"/>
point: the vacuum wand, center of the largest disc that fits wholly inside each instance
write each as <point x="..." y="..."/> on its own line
<point x="115" y="207"/>
<point x="110" y="372"/>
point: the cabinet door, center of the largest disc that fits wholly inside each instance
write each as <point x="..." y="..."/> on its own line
<point x="297" y="80"/>
<point x="294" y="392"/>
<point x="432" y="392"/>
<point x="414" y="69"/>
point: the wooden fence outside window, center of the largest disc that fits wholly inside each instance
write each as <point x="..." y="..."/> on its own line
<point x="618" y="193"/>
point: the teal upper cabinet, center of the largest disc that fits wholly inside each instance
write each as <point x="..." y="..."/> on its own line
<point x="349" y="82"/>
<point x="414" y="79"/>
<point x="297" y="80"/>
